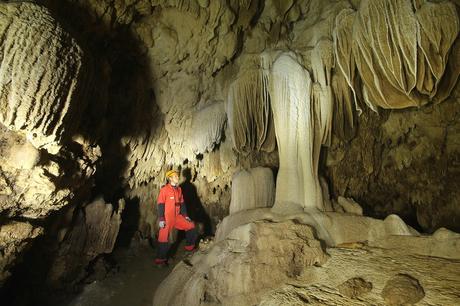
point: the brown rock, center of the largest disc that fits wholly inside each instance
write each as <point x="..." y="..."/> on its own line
<point x="402" y="289"/>
<point x="355" y="287"/>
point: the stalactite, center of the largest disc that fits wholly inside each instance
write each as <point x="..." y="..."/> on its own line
<point x="400" y="50"/>
<point x="343" y="113"/>
<point x="438" y="29"/>
<point x="322" y="63"/>
<point x="249" y="112"/>
<point x="343" y="42"/>
<point x="207" y="128"/>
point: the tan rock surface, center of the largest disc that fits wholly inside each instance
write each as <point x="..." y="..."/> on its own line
<point x="251" y="189"/>
<point x="15" y="237"/>
<point x="94" y="232"/>
<point x="40" y="93"/>
<point x="358" y="271"/>
<point x="240" y="269"/>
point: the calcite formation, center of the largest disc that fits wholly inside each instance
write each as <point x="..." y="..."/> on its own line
<point x="94" y="232"/>
<point x="42" y="94"/>
<point x="251" y="189"/>
<point x="368" y="262"/>
<point x="400" y="50"/>
<point x="15" y="237"/>
<point x="216" y="88"/>
<point x="42" y="76"/>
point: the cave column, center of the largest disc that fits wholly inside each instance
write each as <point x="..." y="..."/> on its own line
<point x="299" y="142"/>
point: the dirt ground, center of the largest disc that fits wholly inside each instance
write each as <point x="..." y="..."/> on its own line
<point x="134" y="283"/>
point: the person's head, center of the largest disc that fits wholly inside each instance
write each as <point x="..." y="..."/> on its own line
<point x="173" y="177"/>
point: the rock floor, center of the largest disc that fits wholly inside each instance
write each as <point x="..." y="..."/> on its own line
<point x="133" y="284"/>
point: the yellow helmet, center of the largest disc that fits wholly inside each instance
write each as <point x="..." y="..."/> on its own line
<point x="171" y="172"/>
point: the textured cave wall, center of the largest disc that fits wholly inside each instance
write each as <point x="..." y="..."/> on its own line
<point x="47" y="162"/>
<point x="176" y="77"/>
<point x="186" y="84"/>
<point x="403" y="162"/>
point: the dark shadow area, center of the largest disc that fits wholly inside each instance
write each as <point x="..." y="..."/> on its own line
<point x="120" y="105"/>
<point x="195" y="208"/>
<point x="129" y="223"/>
<point x="28" y="283"/>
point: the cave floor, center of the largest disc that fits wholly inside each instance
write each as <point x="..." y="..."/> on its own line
<point x="133" y="284"/>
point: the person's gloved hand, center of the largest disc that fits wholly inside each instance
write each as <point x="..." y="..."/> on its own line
<point x="162" y="224"/>
<point x="188" y="219"/>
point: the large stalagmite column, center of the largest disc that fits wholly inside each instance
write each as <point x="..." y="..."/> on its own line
<point x="299" y="144"/>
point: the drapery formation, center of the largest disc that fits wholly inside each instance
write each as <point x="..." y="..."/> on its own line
<point x="249" y="113"/>
<point x="390" y="54"/>
<point x="400" y="50"/>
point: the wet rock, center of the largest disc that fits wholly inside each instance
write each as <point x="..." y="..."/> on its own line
<point x="402" y="289"/>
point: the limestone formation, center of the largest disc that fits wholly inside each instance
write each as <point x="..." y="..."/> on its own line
<point x="402" y="289"/>
<point x="251" y="189"/>
<point x="42" y="76"/>
<point x="400" y="50"/>
<point x="250" y="262"/>
<point x="207" y="128"/>
<point x="33" y="185"/>
<point x="250" y="112"/>
<point x="15" y="237"/>
<point x="359" y="269"/>
<point x="350" y="206"/>
<point x="95" y="229"/>
<point x="295" y="114"/>
<point x="214" y="87"/>
<point x="355" y="287"/>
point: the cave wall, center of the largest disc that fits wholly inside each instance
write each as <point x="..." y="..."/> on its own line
<point x="403" y="162"/>
<point x="148" y="88"/>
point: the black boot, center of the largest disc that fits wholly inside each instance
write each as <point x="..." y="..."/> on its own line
<point x="190" y="238"/>
<point x="162" y="253"/>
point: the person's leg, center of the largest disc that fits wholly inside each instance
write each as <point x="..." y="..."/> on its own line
<point x="190" y="231"/>
<point x="163" y="246"/>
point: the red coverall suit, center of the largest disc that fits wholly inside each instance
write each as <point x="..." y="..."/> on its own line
<point x="172" y="210"/>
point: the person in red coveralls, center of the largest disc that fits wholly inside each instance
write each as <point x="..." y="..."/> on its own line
<point x="172" y="213"/>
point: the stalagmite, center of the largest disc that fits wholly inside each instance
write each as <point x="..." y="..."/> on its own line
<point x="298" y="138"/>
<point x="251" y="189"/>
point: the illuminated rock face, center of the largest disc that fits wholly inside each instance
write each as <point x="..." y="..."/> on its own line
<point x="371" y="261"/>
<point x="42" y="76"/>
<point x="42" y="95"/>
<point x="219" y="87"/>
<point x="251" y="189"/>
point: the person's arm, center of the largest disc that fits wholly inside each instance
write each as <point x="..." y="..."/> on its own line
<point x="161" y="205"/>
<point x="183" y="207"/>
